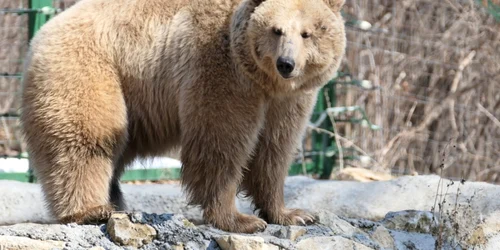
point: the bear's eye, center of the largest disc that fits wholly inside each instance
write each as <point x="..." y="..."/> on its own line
<point x="277" y="31"/>
<point x="305" y="35"/>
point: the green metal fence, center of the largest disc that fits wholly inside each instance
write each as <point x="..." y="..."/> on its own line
<point x="492" y="8"/>
<point x="38" y="12"/>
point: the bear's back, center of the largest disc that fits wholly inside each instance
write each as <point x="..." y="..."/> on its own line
<point x="141" y="37"/>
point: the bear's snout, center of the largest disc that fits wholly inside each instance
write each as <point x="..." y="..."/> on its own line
<point x="285" y="66"/>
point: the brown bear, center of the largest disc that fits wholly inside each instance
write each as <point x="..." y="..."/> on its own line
<point x="230" y="82"/>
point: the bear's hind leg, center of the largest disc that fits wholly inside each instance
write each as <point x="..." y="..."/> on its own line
<point x="75" y="127"/>
<point x="77" y="179"/>
<point x="76" y="189"/>
<point x="264" y="180"/>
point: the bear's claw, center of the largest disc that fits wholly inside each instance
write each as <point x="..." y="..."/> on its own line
<point x="241" y="223"/>
<point x="292" y="217"/>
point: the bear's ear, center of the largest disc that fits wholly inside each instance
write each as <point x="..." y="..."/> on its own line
<point x="335" y="5"/>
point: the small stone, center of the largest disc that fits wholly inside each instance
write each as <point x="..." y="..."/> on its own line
<point x="239" y="242"/>
<point x="286" y="232"/>
<point x="329" y="243"/>
<point x="383" y="237"/>
<point x="23" y="243"/>
<point x="295" y="232"/>
<point x="188" y="223"/>
<point x="178" y="247"/>
<point x="123" y="232"/>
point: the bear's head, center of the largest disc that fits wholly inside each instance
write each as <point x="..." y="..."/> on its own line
<point x="288" y="45"/>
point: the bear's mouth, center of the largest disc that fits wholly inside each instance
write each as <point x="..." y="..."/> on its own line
<point x="288" y="76"/>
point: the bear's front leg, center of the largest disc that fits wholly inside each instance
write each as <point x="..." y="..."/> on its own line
<point x="283" y="129"/>
<point x="219" y="130"/>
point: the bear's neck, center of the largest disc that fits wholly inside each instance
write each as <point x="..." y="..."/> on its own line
<point x="240" y="50"/>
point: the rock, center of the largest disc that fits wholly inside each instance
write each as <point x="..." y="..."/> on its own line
<point x="22" y="202"/>
<point x="329" y="243"/>
<point x="240" y="242"/>
<point x="493" y="243"/>
<point x="336" y="224"/>
<point x="415" y="241"/>
<point x="23" y="243"/>
<point x="286" y="232"/>
<point x="175" y="232"/>
<point x="175" y="229"/>
<point x="373" y="200"/>
<point x="487" y="232"/>
<point x="123" y="232"/>
<point x="355" y="212"/>
<point x="178" y="247"/>
<point x="382" y="236"/>
<point x="295" y="232"/>
<point x="410" y="221"/>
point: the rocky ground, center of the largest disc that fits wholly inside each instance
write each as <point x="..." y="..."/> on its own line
<point x="403" y="213"/>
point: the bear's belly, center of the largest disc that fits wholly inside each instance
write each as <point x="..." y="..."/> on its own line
<point x="153" y="119"/>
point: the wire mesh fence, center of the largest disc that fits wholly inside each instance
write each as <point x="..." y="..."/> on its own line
<point x="437" y="67"/>
<point x="13" y="46"/>
<point x="428" y="72"/>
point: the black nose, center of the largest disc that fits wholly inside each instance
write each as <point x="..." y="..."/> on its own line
<point x="285" y="66"/>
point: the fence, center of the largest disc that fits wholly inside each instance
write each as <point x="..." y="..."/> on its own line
<point x="425" y="71"/>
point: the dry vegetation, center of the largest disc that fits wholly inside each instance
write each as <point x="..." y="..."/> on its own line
<point x="436" y="64"/>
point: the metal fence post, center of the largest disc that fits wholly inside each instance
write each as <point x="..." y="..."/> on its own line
<point x="37" y="19"/>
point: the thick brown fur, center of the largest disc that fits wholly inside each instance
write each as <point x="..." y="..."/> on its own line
<point x="109" y="81"/>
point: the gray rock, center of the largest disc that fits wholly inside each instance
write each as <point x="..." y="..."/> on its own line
<point x="414" y="241"/>
<point x="411" y="221"/>
<point x="383" y="237"/>
<point x="368" y="200"/>
<point x="356" y="212"/>
<point x="329" y="243"/>
<point x="75" y="236"/>
<point x="294" y="232"/>
<point x="176" y="232"/>
<point x="287" y="232"/>
<point x="336" y="224"/>
<point x="23" y="243"/>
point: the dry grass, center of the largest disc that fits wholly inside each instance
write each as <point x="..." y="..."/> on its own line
<point x="437" y="65"/>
